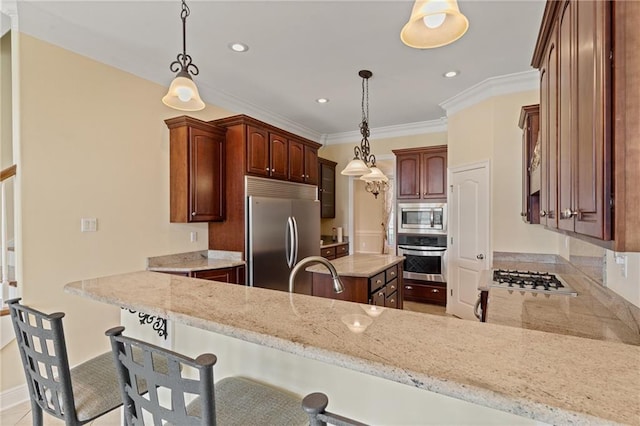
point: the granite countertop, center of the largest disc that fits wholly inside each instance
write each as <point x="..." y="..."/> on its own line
<point x="549" y="377"/>
<point x="359" y="265"/>
<point x="583" y="315"/>
<point x="194" y="261"/>
<point x="332" y="244"/>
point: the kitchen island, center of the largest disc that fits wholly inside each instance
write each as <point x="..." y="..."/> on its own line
<point x="374" y="279"/>
<point x="463" y="365"/>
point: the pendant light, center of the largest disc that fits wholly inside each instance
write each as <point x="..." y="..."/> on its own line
<point x="362" y="159"/>
<point x="183" y="93"/>
<point x="375" y="182"/>
<point x="434" y="23"/>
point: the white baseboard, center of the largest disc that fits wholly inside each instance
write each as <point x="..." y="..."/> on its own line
<point x="14" y="396"/>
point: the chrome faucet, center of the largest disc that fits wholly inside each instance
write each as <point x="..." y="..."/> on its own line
<point x="337" y="284"/>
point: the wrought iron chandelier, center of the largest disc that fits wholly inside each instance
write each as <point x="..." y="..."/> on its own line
<point x="183" y="93"/>
<point x="364" y="162"/>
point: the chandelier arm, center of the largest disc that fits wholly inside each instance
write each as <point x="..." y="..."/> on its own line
<point x="357" y="152"/>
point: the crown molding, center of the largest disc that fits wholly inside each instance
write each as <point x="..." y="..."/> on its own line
<point x="494" y="86"/>
<point x="409" y="129"/>
<point x="235" y="104"/>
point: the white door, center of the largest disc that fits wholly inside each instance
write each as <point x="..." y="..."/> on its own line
<point x="469" y="230"/>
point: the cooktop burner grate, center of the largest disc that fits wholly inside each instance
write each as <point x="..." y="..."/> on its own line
<point x="527" y="281"/>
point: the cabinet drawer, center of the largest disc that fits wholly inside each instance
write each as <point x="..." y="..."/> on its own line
<point x="376" y="282"/>
<point x="391" y="300"/>
<point x="392" y="286"/>
<point x="391" y="273"/>
<point x="425" y="293"/>
<point x="379" y="297"/>
<point x="342" y="250"/>
<point x="329" y="252"/>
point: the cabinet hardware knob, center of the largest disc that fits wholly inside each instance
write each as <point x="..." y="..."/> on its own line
<point x="378" y="282"/>
<point x="523" y="214"/>
<point x="543" y="213"/>
<point x="417" y="193"/>
<point x="435" y="290"/>
<point x="393" y="287"/>
<point x="393" y="273"/>
<point x="267" y="169"/>
<point x="392" y="301"/>
<point x="273" y="170"/>
<point x="480" y="256"/>
<point x="381" y="294"/>
<point x="568" y="214"/>
<point x="193" y="213"/>
<point x="408" y="287"/>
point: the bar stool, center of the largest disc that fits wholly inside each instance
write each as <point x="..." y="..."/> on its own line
<point x="78" y="395"/>
<point x="231" y="401"/>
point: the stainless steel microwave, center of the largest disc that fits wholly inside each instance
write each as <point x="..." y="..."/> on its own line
<point x="422" y="218"/>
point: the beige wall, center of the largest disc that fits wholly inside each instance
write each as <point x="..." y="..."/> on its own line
<point x="343" y="153"/>
<point x="6" y="150"/>
<point x="489" y="130"/>
<point x="94" y="144"/>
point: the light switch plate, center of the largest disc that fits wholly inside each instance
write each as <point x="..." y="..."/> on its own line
<point x="88" y="224"/>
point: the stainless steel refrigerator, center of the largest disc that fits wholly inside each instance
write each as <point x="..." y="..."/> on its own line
<point x="281" y="232"/>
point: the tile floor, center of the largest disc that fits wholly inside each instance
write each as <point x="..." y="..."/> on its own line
<point x="20" y="415"/>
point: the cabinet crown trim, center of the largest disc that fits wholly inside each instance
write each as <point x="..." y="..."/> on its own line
<point x="184" y="120"/>
<point x="434" y="148"/>
<point x="243" y="119"/>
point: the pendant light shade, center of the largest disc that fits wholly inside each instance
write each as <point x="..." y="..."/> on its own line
<point x="375" y="175"/>
<point x="356" y="167"/>
<point x="183" y="94"/>
<point x="434" y="23"/>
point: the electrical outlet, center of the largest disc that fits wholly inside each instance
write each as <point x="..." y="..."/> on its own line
<point x="621" y="260"/>
<point x="194" y="236"/>
<point x="88" y="224"/>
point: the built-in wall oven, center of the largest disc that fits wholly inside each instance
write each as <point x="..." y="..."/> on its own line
<point x="422" y="218"/>
<point x="425" y="257"/>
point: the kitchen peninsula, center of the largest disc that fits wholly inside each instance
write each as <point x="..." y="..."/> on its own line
<point x="375" y="279"/>
<point x="461" y="368"/>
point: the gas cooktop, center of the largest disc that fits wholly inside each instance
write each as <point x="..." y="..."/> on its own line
<point x="531" y="282"/>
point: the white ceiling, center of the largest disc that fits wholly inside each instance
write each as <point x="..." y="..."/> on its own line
<point x="298" y="51"/>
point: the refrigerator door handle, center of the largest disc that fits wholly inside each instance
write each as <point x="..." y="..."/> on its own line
<point x="289" y="241"/>
<point x="294" y="252"/>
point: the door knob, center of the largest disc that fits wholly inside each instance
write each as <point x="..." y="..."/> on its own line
<point x="480" y="256"/>
<point x="568" y="214"/>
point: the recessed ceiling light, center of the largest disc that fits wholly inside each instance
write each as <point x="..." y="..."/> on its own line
<point x="450" y="74"/>
<point x="322" y="100"/>
<point x="238" y="47"/>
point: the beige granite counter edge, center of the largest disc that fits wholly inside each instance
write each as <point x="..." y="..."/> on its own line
<point x="465" y="392"/>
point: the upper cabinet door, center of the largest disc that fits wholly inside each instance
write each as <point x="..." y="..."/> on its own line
<point x="206" y="176"/>
<point x="408" y="175"/>
<point x="296" y="161"/>
<point x="310" y="165"/>
<point x="196" y="170"/>
<point x="257" y="152"/>
<point x="279" y="156"/>
<point x="434" y="165"/>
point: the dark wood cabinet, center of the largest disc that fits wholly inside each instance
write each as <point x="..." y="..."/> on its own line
<point x="327" y="188"/>
<point x="574" y="54"/>
<point x="382" y="289"/>
<point x="196" y="170"/>
<point x="334" y="252"/>
<point x="267" y="153"/>
<point x="531" y="174"/>
<point x="252" y="147"/>
<point x="421" y="173"/>
<point x="303" y="163"/>
<point x="425" y="292"/>
<point x="233" y="275"/>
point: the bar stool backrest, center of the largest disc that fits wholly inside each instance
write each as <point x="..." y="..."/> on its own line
<point x="43" y="352"/>
<point x="169" y="392"/>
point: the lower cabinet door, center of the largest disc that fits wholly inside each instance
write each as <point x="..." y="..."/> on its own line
<point x="225" y="275"/>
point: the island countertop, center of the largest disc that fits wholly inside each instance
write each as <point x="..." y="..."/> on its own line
<point x="195" y="261"/>
<point x="359" y="265"/>
<point x="548" y="377"/>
